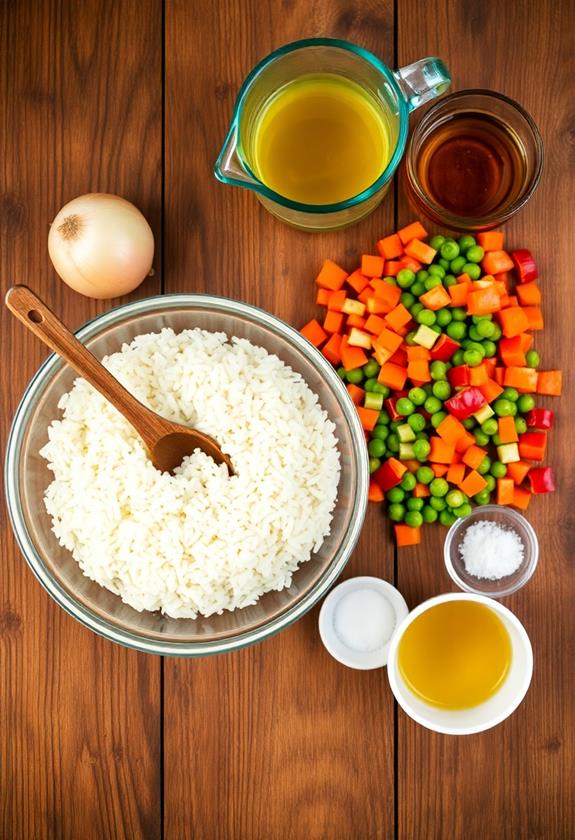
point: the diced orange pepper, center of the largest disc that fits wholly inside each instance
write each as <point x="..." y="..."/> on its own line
<point x="441" y="452"/>
<point x="491" y="390"/>
<point x="491" y="240"/>
<point x="549" y="382"/>
<point x="421" y="491"/>
<point x="498" y="375"/>
<point x="473" y="483"/>
<point x="389" y="339"/>
<point x="513" y="321"/>
<point x="332" y="349"/>
<point x="365" y="294"/>
<point x="518" y="471"/>
<point x="505" y="491"/>
<point x="526" y="340"/>
<point x="352" y="357"/>
<point x="420" y="251"/>
<point x="455" y="473"/>
<point x="458" y="294"/>
<point x="313" y="332"/>
<point x="474" y="456"/>
<point x="464" y="442"/>
<point x="356" y="393"/>
<point x="337" y="300"/>
<point x="391" y="268"/>
<point x="522" y="378"/>
<point x="495" y="262"/>
<point x="521" y="498"/>
<point x="331" y="276"/>
<point x="386" y="292"/>
<point x="322" y="297"/>
<point x="529" y="294"/>
<point x="415" y="352"/>
<point x="357" y="281"/>
<point x="465" y="278"/>
<point x="333" y="322"/>
<point x="404" y="535"/>
<point x="506" y="430"/>
<point x="372" y="265"/>
<point x="511" y="351"/>
<point x="355" y="321"/>
<point x="483" y="301"/>
<point x="450" y="429"/>
<point x="375" y="493"/>
<point x="392" y="375"/>
<point x="418" y="370"/>
<point x="534" y="317"/>
<point x="435" y="298"/>
<point x="413" y="231"/>
<point x="376" y="306"/>
<point x="439" y="470"/>
<point x="368" y="417"/>
<point x="390" y="246"/>
<point x="374" y="324"/>
<point x="478" y="375"/>
<point x="398" y="317"/>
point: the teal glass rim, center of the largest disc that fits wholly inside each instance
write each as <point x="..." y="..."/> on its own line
<point x="258" y="186"/>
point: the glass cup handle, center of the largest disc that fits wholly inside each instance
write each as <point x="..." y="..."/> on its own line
<point x="423" y="80"/>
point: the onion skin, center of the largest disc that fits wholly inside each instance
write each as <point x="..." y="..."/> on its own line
<point x="101" y="245"/>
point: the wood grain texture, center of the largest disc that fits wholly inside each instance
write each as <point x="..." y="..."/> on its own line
<point x="80" y="111"/>
<point x="515" y="781"/>
<point x="277" y="740"/>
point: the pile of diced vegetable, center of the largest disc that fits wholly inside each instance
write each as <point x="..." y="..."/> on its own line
<point x="434" y="340"/>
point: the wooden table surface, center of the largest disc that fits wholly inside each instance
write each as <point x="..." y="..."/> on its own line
<point x="278" y="740"/>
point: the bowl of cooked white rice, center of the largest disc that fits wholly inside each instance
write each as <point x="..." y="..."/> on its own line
<point x="197" y="562"/>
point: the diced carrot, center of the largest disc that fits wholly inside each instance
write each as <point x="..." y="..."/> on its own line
<point x="377" y="306"/>
<point x="503" y="277"/>
<point x="526" y="340"/>
<point x="465" y="278"/>
<point x="398" y="317"/>
<point x="506" y="430"/>
<point x="441" y="452"/>
<point x="511" y="351"/>
<point x="410" y="262"/>
<point x="387" y="293"/>
<point x="522" y="378"/>
<point x="499" y="374"/>
<point x="332" y="349"/>
<point x="491" y="390"/>
<point x="418" y="371"/>
<point x="390" y="246"/>
<point x="474" y="456"/>
<point x="549" y="382"/>
<point x="421" y="491"/>
<point x="435" y="298"/>
<point x="368" y="417"/>
<point x="473" y="483"/>
<point x="518" y="470"/>
<point x="365" y="294"/>
<point x="392" y="375"/>
<point x="420" y="251"/>
<point x="478" y="375"/>
<point x="355" y="321"/>
<point x="415" y="352"/>
<point x="356" y="393"/>
<point x="494" y="262"/>
<point x="333" y="322"/>
<point x="413" y="231"/>
<point x="439" y="470"/>
<point x="313" y="332"/>
<point x="412" y="465"/>
<point x="490" y="364"/>
<point x="404" y="535"/>
<point x="331" y="276"/>
<point x="389" y="339"/>
<point x="521" y="498"/>
<point x="501" y="290"/>
<point x="513" y="321"/>
<point x="391" y="268"/>
<point x="505" y="491"/>
<point x="455" y="473"/>
<point x="458" y="294"/>
<point x="322" y="297"/>
<point x="534" y="317"/>
<point x="357" y="281"/>
<point x="372" y="265"/>
<point x="375" y="493"/>
<point x="374" y="324"/>
<point x="529" y="294"/>
<point x="352" y="357"/>
<point x="483" y="301"/>
<point x="464" y="442"/>
<point x="491" y="240"/>
<point x="337" y="300"/>
<point x="450" y="429"/>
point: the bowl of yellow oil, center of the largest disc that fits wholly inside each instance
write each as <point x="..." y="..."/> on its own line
<point x="460" y="663"/>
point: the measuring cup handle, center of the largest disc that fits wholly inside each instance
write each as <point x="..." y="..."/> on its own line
<point x="423" y="80"/>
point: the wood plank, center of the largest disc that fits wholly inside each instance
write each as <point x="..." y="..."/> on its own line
<point x="514" y="781"/>
<point x="277" y="740"/>
<point x="80" y="111"/>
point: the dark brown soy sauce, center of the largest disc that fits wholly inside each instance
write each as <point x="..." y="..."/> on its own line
<point x="472" y="165"/>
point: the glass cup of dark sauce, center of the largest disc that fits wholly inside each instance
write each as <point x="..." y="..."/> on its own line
<point x="473" y="161"/>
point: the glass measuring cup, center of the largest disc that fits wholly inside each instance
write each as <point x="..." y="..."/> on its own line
<point x="394" y="93"/>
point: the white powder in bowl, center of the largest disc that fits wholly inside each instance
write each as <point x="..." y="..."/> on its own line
<point x="491" y="551"/>
<point x="364" y="620"/>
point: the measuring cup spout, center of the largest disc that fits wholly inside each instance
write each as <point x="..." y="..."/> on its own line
<point x="229" y="167"/>
<point x="423" y="80"/>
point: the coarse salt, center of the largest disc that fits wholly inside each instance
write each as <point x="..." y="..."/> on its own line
<point x="491" y="551"/>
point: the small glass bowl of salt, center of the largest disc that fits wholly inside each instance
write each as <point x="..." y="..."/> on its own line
<point x="493" y="551"/>
<point x="358" y="619"/>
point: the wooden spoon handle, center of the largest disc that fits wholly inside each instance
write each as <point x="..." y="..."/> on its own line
<point x="40" y="320"/>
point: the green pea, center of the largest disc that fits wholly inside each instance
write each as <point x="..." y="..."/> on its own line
<point x="405" y="278"/>
<point x="441" y="389"/>
<point x="355" y="376"/>
<point x="520" y="425"/>
<point x="510" y="394"/>
<point x="421" y="449"/>
<point x="380" y="388"/>
<point x="496" y="440"/>
<point x="525" y="403"/>
<point x="473" y="334"/>
<point x="484" y="466"/>
<point x="473" y="358"/>
<point x="443" y="263"/>
<point x="490" y="483"/>
<point x="425" y="475"/>
<point x="380" y="432"/>
<point x="371" y="369"/>
<point x="432" y="404"/>
<point x="421" y="436"/>
<point x="503" y="407"/>
<point x="429" y="514"/>
<point x="532" y="358"/>
<point x="437" y="503"/>
<point x="410" y="338"/>
<point x="391" y="281"/>
<point x="414" y="504"/>
<point x="341" y="372"/>
<point x="475" y="345"/>
<point x="418" y="288"/>
<point x="393" y="442"/>
<point x="489" y="348"/>
<point x="466" y="242"/>
<point x="414" y="518"/>
<point x="417" y="422"/>
<point x="478" y="318"/>
<point x="432" y="282"/>
<point x="396" y="494"/>
<point x="425" y="316"/>
<point x="469" y="423"/>
<point x="446" y="518"/>
<point x="462" y="510"/>
<point x="404" y="406"/>
<point x="498" y="470"/>
<point x="438" y="370"/>
<point x="482" y="498"/>
<point x="384" y="417"/>
<point x="474" y="254"/>
<point x="396" y="512"/>
<point x="456" y="330"/>
<point x="458" y="313"/>
<point x="497" y="334"/>
<point x="485" y="328"/>
<point x="455" y="498"/>
<point x="437" y="418"/>
<point x="408" y="482"/>
<point x="457" y="357"/>
<point x="472" y="270"/>
<point x="456" y="265"/>
<point x="416" y="309"/>
<point x="422" y="275"/>
<point x="481" y="439"/>
<point x="407" y="299"/>
<point x="376" y="447"/>
<point x="417" y="396"/>
<point x="436" y="328"/>
<point x="368" y="385"/>
<point x="439" y="487"/>
<point x="374" y="464"/>
<point x="449" y="250"/>
<point x="489" y="427"/>
<point x="436" y="242"/>
<point x="449" y="280"/>
<point x="437" y="269"/>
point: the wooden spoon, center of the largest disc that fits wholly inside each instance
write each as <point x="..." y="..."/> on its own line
<point x="167" y="443"/>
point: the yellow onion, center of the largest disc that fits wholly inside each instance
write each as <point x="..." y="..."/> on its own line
<point x="101" y="245"/>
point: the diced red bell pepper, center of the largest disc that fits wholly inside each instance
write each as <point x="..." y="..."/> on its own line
<point x="458" y="376"/>
<point x="444" y="348"/>
<point x="532" y="445"/>
<point x="389" y="474"/>
<point x="540" y="418"/>
<point x="465" y="403"/>
<point x="525" y="266"/>
<point x="541" y="480"/>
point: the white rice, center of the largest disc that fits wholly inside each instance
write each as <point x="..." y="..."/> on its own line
<point x="199" y="541"/>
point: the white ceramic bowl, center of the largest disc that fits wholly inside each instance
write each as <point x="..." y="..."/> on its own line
<point x="485" y="715"/>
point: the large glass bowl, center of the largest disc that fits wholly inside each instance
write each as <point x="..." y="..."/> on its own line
<point x="27" y="476"/>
